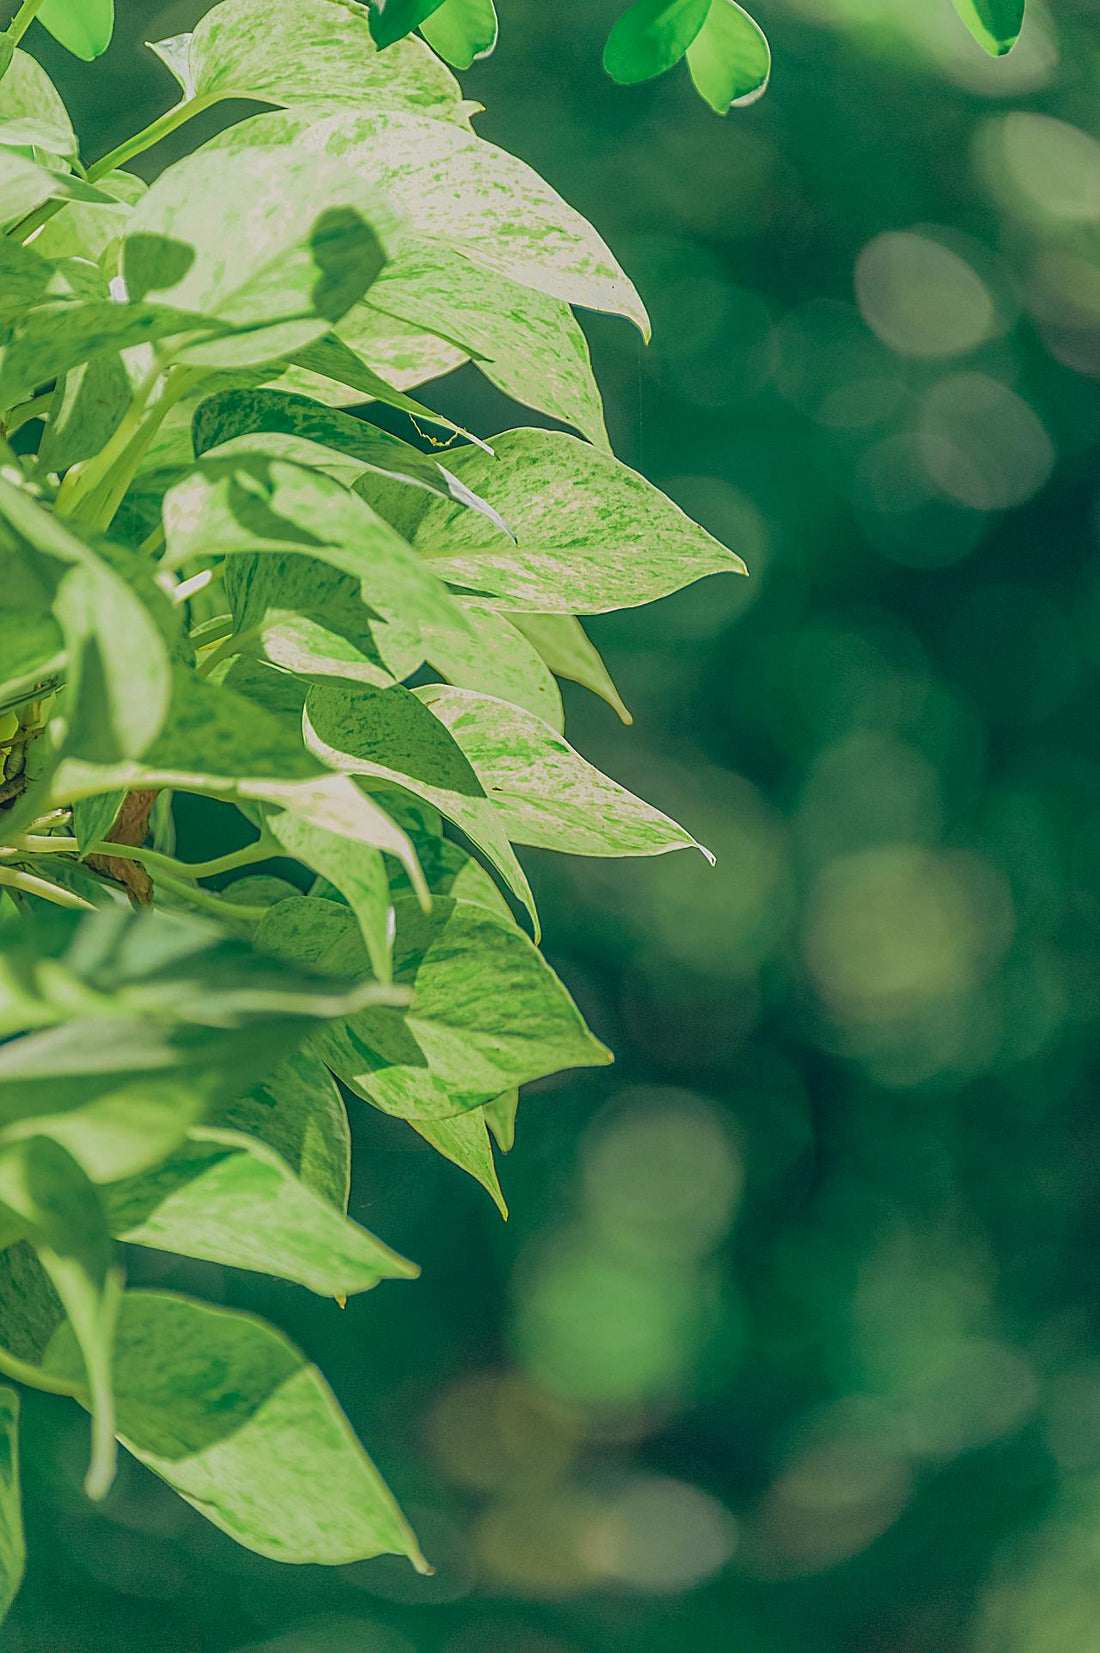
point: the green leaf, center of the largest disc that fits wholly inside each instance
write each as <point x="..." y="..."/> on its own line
<point x="55" y="338"/>
<point x="145" y="1022"/>
<point x="729" y="59"/>
<point x="88" y="406"/>
<point x="31" y="652"/>
<point x="59" y="1212"/>
<point x="333" y="363"/>
<point x="87" y="229"/>
<point x="225" y="1198"/>
<point x="464" y="1140"/>
<point x="496" y="658"/>
<point x="452" y="871"/>
<point x="391" y="20"/>
<point x="83" y="27"/>
<point x="234" y="414"/>
<point x="651" y="37"/>
<point x="461" y="31"/>
<point x="28" y="93"/>
<point x="226" y="1410"/>
<point x="278" y="246"/>
<point x="387" y="735"/>
<point x="995" y="24"/>
<point x="245" y="503"/>
<point x="566" y="649"/>
<point x="13" y="1549"/>
<point x="465" y="195"/>
<point x="24" y="278"/>
<point x="221" y="743"/>
<point x="544" y="792"/>
<point x="592" y="534"/>
<point x="307" y="617"/>
<point x="357" y="870"/>
<point x="111" y="639"/>
<point x="297" y="1111"/>
<point x="93" y="818"/>
<point x="526" y="343"/>
<point x="500" y="1116"/>
<point x="315" y="53"/>
<point x="25" y="184"/>
<point x="487" y="1012"/>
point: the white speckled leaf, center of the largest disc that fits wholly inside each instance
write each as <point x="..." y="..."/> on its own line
<point x="544" y="791"/>
<point x="303" y="53"/>
<point x="465" y="194"/>
<point x="277" y="245"/>
<point x="592" y="535"/>
<point x="495" y="658"/>
<point x="387" y="735"/>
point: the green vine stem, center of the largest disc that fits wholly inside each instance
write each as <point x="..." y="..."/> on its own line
<point x="22" y="20"/>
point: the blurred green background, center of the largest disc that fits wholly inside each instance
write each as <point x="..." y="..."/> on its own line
<point x="791" y="1344"/>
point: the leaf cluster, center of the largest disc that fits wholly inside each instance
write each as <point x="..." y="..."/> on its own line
<point x="217" y="580"/>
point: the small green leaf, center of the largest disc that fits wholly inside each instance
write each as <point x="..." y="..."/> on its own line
<point x="93" y="818"/>
<point x="91" y="230"/>
<point x="494" y="657"/>
<point x="391" y="20"/>
<point x="28" y="93"/>
<point x="730" y="60"/>
<point x="591" y="534"/>
<point x="545" y="793"/>
<point x="995" y="24"/>
<point x="297" y="1111"/>
<point x="311" y="53"/>
<point x="651" y="37"/>
<point x="225" y="1198"/>
<point x="464" y="1140"/>
<point x="500" y="1116"/>
<point x="276" y="246"/>
<point x="487" y="1012"/>
<point x="111" y="638"/>
<point x="387" y="735"/>
<point x="461" y="31"/>
<point x="25" y="184"/>
<point x="226" y="1410"/>
<point x="235" y="414"/>
<point x="357" y="870"/>
<point x="13" y="1549"/>
<point x="564" y="645"/>
<point x="61" y="1215"/>
<point x="83" y="27"/>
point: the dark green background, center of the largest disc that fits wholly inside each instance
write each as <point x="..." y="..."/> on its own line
<point x="790" y="1345"/>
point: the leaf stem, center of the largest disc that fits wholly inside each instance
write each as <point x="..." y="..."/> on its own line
<point x="15" y="879"/>
<point x="208" y="900"/>
<point x="162" y="127"/>
<point x="22" y="20"/>
<point x="262" y="850"/>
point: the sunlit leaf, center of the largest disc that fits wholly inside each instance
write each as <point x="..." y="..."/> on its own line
<point x="591" y="535"/>
<point x="729" y="59"/>
<point x="225" y="1198"/>
<point x="544" y="792"/>
<point x="227" y="1411"/>
<point x="566" y="649"/>
<point x="84" y="27"/>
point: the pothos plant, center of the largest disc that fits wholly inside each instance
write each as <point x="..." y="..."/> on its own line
<point x="216" y="580"/>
